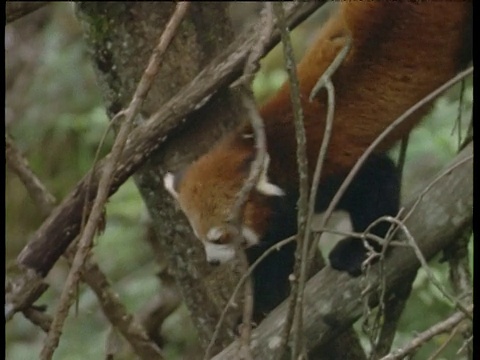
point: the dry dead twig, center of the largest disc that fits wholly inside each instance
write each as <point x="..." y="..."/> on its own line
<point x="442" y="327"/>
<point x="85" y="241"/>
<point x="44" y="200"/>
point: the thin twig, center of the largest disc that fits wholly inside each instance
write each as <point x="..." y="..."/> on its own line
<point x="44" y="200"/>
<point x="38" y="318"/>
<point x="246" y="328"/>
<point x="460" y="276"/>
<point x="380" y="335"/>
<point x="97" y="281"/>
<point x="296" y="298"/>
<point x="444" y="344"/>
<point x="58" y="231"/>
<point x="265" y="28"/>
<point x="413" y="243"/>
<point x="467" y="343"/>
<point x="421" y="258"/>
<point x="382" y="332"/>
<point x="392" y="312"/>
<point x="85" y="241"/>
<point x="61" y="228"/>
<point x="386" y="132"/>
<point x="325" y="81"/>
<point x="431" y="184"/>
<point x="153" y="314"/>
<point x="439" y="328"/>
<point x="236" y="213"/>
<point x="329" y="287"/>
<point x="131" y="329"/>
<point x="255" y="120"/>
<point x="468" y="134"/>
<point x="402" y="156"/>
<point x="458" y="121"/>
<point x="91" y="175"/>
<point x="239" y="285"/>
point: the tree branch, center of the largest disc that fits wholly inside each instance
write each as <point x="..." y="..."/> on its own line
<point x="57" y="232"/>
<point x="132" y="330"/>
<point x="105" y="181"/>
<point x="16" y="9"/>
<point x="294" y="325"/>
<point x="19" y="164"/>
<point x="444" y="326"/>
<point x="333" y="299"/>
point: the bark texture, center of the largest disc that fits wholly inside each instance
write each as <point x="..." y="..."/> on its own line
<point x="334" y="300"/>
<point x="121" y="37"/>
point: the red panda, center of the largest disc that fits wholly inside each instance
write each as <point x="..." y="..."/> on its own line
<point x="400" y="52"/>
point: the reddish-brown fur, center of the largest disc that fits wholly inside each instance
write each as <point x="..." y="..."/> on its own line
<point x="401" y="51"/>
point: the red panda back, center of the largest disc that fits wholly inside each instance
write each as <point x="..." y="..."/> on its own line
<point x="401" y="51"/>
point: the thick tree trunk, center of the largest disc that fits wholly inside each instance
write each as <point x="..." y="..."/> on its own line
<point x="121" y="37"/>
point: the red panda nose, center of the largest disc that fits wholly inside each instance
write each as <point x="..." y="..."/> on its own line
<point x="214" y="262"/>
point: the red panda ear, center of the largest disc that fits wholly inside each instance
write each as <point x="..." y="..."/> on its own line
<point x="170" y="181"/>
<point x="263" y="185"/>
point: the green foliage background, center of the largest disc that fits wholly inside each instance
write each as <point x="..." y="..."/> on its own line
<point x="59" y="127"/>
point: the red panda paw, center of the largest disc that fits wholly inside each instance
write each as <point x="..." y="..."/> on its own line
<point x="348" y="255"/>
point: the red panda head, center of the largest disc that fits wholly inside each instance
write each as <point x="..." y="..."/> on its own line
<point x="206" y="192"/>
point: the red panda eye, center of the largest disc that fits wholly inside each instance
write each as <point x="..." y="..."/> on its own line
<point x="216" y="241"/>
<point x="225" y="238"/>
<point x="222" y="239"/>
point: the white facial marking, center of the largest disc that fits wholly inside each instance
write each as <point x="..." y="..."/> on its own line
<point x="264" y="186"/>
<point x="168" y="182"/>
<point x="214" y="234"/>
<point x="220" y="253"/>
<point x="250" y="236"/>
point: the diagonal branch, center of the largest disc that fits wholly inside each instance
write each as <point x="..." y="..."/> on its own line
<point x="442" y="327"/>
<point x="19" y="164"/>
<point x="295" y="317"/>
<point x="16" y="9"/>
<point x="58" y="231"/>
<point x="86" y="237"/>
<point x="333" y="300"/>
<point x="127" y="324"/>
